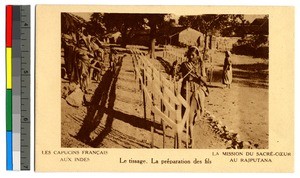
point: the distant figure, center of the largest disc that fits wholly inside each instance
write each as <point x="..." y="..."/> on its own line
<point x="227" y="70"/>
<point x="209" y="65"/>
<point x="112" y="58"/>
<point x="199" y="42"/>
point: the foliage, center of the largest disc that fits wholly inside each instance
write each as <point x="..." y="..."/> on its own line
<point x="129" y="24"/>
<point x="209" y="24"/>
<point x="70" y="22"/>
<point x="254" y="45"/>
<point x="257" y="43"/>
<point x="217" y="24"/>
<point x="96" y="25"/>
<point x="123" y="22"/>
<point x="236" y="27"/>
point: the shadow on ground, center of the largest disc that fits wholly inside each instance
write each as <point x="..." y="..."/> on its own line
<point x="105" y="95"/>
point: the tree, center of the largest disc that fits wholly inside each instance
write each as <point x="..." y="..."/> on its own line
<point x="128" y="24"/>
<point x="125" y="23"/>
<point x="237" y="26"/>
<point x="70" y="23"/>
<point x="96" y="25"/>
<point x="208" y="24"/>
<point x="156" y="21"/>
<point x="186" y="21"/>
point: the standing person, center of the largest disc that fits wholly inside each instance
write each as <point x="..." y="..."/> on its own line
<point x="209" y="65"/>
<point x="193" y="72"/>
<point x="69" y="43"/>
<point x="86" y="37"/>
<point x="227" y="70"/>
<point x="112" y="58"/>
<point x="83" y="59"/>
<point x="199" y="42"/>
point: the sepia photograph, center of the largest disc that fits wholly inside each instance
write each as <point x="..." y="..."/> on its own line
<point x="164" y="80"/>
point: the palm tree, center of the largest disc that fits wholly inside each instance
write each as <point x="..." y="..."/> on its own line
<point x="70" y="23"/>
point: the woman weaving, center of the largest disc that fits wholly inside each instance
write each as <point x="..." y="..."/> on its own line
<point x="193" y="72"/>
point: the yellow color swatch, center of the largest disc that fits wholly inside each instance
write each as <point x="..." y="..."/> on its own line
<point x="8" y="68"/>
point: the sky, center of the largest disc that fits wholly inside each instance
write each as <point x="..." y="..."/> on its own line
<point x="248" y="17"/>
<point x="85" y="16"/>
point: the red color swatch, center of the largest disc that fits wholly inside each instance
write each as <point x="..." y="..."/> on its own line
<point x="9" y="17"/>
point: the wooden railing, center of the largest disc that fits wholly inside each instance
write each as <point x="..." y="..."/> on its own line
<point x="172" y="54"/>
<point x="163" y="98"/>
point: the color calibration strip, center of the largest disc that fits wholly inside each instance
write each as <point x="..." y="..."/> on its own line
<point x="9" y="149"/>
<point x="18" y="87"/>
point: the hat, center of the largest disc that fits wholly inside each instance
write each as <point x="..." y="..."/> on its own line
<point x="193" y="48"/>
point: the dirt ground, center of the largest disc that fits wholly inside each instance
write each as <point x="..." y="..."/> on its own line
<point x="114" y="116"/>
<point x="243" y="107"/>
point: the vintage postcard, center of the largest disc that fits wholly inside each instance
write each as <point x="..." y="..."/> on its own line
<point x="164" y="88"/>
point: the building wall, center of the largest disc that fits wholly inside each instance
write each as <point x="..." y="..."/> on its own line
<point x="174" y="40"/>
<point x="189" y="36"/>
<point x="225" y="43"/>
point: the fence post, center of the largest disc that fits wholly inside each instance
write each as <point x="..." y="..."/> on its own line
<point x="143" y="83"/>
<point x="177" y="120"/>
<point x="152" y="114"/>
<point x="188" y="120"/>
<point x="163" y="110"/>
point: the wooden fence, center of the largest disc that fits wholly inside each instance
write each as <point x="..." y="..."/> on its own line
<point x="172" y="54"/>
<point x="164" y="98"/>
